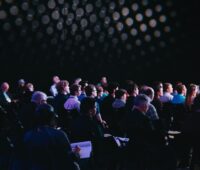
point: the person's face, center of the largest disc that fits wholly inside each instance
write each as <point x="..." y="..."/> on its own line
<point x="100" y="94"/>
<point x="170" y="89"/>
<point x="31" y="88"/>
<point x="5" y="87"/>
<point x="145" y="107"/>
<point x="195" y="91"/>
<point x="160" y="92"/>
<point x="94" y="92"/>
<point x="124" y="97"/>
<point x="136" y="92"/>
<point x="66" y="89"/>
<point x="184" y="90"/>
<point x="43" y="101"/>
<point x="104" y="80"/>
<point x="56" y="79"/>
<point x="79" y="91"/>
<point x="21" y="84"/>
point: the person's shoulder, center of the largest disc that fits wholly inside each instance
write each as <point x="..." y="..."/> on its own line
<point x="134" y="113"/>
<point x="57" y="133"/>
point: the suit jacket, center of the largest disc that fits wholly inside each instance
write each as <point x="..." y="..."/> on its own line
<point x="48" y="149"/>
<point x="145" y="139"/>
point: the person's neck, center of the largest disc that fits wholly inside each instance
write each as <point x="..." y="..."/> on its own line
<point x="139" y="109"/>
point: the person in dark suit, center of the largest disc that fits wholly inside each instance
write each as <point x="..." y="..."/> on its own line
<point x="106" y="104"/>
<point x="191" y="134"/>
<point x="47" y="148"/>
<point x="26" y="114"/>
<point x="146" y="145"/>
<point x="87" y="128"/>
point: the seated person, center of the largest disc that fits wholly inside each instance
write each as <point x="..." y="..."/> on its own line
<point x="87" y="127"/>
<point x="46" y="147"/>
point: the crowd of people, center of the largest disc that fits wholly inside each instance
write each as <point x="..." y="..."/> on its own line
<point x="160" y="121"/>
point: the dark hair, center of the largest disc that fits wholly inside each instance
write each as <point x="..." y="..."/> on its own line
<point x="89" y="89"/>
<point x="44" y="114"/>
<point x="83" y="84"/>
<point x="112" y="87"/>
<point x="119" y="93"/>
<point x="99" y="88"/>
<point x="196" y="103"/>
<point x="87" y="104"/>
<point x="166" y="86"/>
<point x="74" y="88"/>
<point x="130" y="86"/>
<point x="179" y="88"/>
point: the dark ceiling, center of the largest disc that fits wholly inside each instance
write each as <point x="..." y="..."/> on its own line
<point x="142" y="40"/>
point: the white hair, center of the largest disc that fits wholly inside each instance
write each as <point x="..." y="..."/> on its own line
<point x="38" y="96"/>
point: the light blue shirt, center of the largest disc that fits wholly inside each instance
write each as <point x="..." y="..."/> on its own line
<point x="178" y="99"/>
<point x="7" y="97"/>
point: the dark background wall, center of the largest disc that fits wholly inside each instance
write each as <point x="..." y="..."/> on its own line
<point x="144" y="40"/>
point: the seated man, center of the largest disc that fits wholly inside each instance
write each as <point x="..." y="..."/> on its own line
<point x="86" y="127"/>
<point x="72" y="103"/>
<point x="46" y="147"/>
<point x="146" y="146"/>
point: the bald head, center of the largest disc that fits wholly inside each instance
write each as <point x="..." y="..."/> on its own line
<point x="5" y="86"/>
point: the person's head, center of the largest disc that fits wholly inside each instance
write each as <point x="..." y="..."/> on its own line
<point x="184" y="90"/>
<point x="45" y="115"/>
<point x="5" y="86"/>
<point x="91" y="90"/>
<point x="39" y="97"/>
<point x="158" y="91"/>
<point x="21" y="83"/>
<point x="63" y="86"/>
<point x="121" y="94"/>
<point x="132" y="88"/>
<point x="29" y="87"/>
<point x="77" y="80"/>
<point x="142" y="102"/>
<point x="192" y="90"/>
<point x="167" y="87"/>
<point x="147" y="91"/>
<point x="83" y="84"/>
<point x="181" y="89"/>
<point x="103" y="81"/>
<point x="157" y="84"/>
<point x="196" y="103"/>
<point x="55" y="79"/>
<point x="75" y="90"/>
<point x="99" y="91"/>
<point x="112" y="87"/>
<point x="88" y="107"/>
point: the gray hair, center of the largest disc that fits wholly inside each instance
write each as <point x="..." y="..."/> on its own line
<point x="38" y="96"/>
<point x="141" y="99"/>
